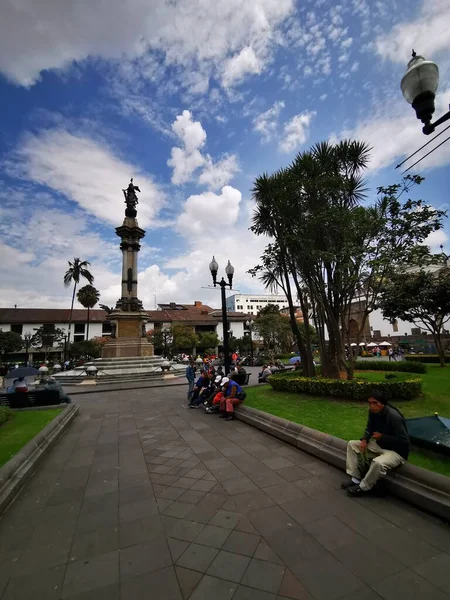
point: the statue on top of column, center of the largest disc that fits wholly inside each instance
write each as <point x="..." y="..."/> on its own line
<point x="131" y="199"/>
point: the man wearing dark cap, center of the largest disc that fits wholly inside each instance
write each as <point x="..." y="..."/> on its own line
<point x="384" y="446"/>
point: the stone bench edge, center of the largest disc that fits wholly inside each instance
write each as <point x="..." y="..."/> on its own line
<point x="16" y="472"/>
<point x="430" y="491"/>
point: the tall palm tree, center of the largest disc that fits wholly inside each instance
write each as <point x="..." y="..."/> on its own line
<point x="88" y="297"/>
<point x="77" y="269"/>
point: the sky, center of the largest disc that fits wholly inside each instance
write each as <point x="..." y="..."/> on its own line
<point x="193" y="99"/>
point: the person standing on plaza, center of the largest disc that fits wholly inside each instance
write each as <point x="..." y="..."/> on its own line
<point x="190" y="376"/>
<point x="384" y="446"/>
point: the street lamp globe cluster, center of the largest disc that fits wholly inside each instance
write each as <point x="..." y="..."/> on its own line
<point x="229" y="270"/>
<point x="419" y="85"/>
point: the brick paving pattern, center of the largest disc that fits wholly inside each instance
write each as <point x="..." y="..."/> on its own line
<point x="144" y="498"/>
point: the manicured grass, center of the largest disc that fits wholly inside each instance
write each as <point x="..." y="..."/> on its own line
<point x="19" y="430"/>
<point x="346" y="419"/>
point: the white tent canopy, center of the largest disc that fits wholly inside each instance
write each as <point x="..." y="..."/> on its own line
<point x="353" y="344"/>
<point x="371" y="345"/>
<point x="385" y="344"/>
<point x="362" y="344"/>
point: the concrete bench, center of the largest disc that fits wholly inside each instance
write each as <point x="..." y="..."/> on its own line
<point x="28" y="399"/>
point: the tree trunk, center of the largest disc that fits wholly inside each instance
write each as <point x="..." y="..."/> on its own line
<point x="440" y="350"/>
<point x="71" y="311"/>
<point x="87" y="328"/>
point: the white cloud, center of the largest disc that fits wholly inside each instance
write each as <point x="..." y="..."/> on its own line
<point x="220" y="210"/>
<point x="216" y="175"/>
<point x="296" y="131"/>
<point x="240" y="65"/>
<point x="427" y="34"/>
<point x="86" y="172"/>
<point x="398" y="134"/>
<point x="436" y="239"/>
<point x="39" y="35"/>
<point x="266" y="123"/>
<point x="185" y="161"/>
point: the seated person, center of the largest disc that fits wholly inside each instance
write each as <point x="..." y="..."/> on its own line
<point x="51" y="384"/>
<point x="264" y="374"/>
<point x="202" y="389"/>
<point x="298" y="366"/>
<point x="238" y="375"/>
<point x="232" y="395"/>
<point x="213" y="401"/>
<point x="385" y="444"/>
<point x="19" y="386"/>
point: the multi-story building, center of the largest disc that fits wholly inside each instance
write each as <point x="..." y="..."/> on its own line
<point x="252" y="303"/>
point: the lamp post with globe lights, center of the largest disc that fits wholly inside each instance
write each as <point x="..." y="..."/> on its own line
<point x="229" y="270"/>
<point x="419" y="85"/>
<point x="249" y="324"/>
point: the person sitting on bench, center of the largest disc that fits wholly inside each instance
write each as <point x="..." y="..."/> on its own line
<point x="213" y="402"/>
<point x="384" y="446"/>
<point x="233" y="395"/>
<point x="202" y="389"/>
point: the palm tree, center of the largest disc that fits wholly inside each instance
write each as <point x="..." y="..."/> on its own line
<point x="88" y="297"/>
<point x="76" y="270"/>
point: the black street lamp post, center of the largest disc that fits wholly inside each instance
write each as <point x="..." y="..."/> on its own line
<point x="27" y="337"/>
<point x="419" y="85"/>
<point x="249" y="324"/>
<point x="229" y="270"/>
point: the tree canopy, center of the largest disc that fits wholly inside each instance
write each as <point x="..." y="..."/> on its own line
<point x="10" y="342"/>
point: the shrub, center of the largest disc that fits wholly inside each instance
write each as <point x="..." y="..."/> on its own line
<point x="341" y="388"/>
<point x="5" y="414"/>
<point x="426" y="358"/>
<point x="399" y="366"/>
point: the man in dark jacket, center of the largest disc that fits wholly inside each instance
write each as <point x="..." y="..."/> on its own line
<point x="384" y="446"/>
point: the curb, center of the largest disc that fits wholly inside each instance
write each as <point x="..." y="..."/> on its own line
<point x="427" y="490"/>
<point x="16" y="472"/>
<point x="123" y="389"/>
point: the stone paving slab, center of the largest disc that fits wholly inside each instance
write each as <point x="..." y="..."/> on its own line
<point x="145" y="498"/>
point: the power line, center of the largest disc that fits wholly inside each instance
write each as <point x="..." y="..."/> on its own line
<point x="428" y="153"/>
<point x="422" y="147"/>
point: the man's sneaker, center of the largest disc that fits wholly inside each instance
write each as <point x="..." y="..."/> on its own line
<point x="347" y="484"/>
<point x="229" y="418"/>
<point x="193" y="405"/>
<point x="223" y="416"/>
<point x="355" y="490"/>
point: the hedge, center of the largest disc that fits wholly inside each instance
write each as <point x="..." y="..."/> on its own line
<point x="399" y="366"/>
<point x="426" y="358"/>
<point x="5" y="414"/>
<point x="341" y="388"/>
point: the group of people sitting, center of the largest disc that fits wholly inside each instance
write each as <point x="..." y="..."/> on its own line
<point x="214" y="391"/>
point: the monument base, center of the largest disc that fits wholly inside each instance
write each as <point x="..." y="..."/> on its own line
<point x="127" y="347"/>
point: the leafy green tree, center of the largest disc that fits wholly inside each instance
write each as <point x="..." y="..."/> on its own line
<point x="331" y="247"/>
<point x="86" y="349"/>
<point x="208" y="340"/>
<point x="88" y="297"/>
<point x="47" y="337"/>
<point x="421" y="298"/>
<point x="184" y="338"/>
<point x="162" y="339"/>
<point x="274" y="328"/>
<point x="77" y="269"/>
<point x="10" y="342"/>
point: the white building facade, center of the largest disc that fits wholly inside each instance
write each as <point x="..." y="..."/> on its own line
<point x="251" y="304"/>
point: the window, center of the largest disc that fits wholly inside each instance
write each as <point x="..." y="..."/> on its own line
<point x="376" y="333"/>
<point x="415" y="331"/>
<point x="79" y="328"/>
<point x="106" y="328"/>
<point x="78" y="338"/>
<point x="17" y="329"/>
<point x="395" y="326"/>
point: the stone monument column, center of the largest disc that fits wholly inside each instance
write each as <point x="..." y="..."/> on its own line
<point x="128" y="318"/>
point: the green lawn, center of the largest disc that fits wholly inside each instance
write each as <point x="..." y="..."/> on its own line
<point x="346" y="419"/>
<point x="19" y="430"/>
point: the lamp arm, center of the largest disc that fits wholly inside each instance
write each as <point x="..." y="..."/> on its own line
<point x="432" y="126"/>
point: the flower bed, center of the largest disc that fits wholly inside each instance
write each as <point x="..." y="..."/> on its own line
<point x="404" y="389"/>
<point x="399" y="366"/>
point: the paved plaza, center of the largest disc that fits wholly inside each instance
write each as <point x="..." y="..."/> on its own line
<point x="146" y="499"/>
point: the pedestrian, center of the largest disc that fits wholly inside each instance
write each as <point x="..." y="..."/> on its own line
<point x="190" y="376"/>
<point x="384" y="446"/>
<point x="233" y="395"/>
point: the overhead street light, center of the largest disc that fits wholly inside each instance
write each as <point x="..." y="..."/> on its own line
<point x="229" y="270"/>
<point x="419" y="85"/>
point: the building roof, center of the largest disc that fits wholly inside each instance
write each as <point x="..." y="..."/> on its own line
<point x="49" y="315"/>
<point x="197" y="313"/>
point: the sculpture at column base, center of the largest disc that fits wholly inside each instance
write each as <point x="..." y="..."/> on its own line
<point x="129" y="304"/>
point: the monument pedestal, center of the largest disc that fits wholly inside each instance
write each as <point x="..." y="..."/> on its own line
<point x="130" y="339"/>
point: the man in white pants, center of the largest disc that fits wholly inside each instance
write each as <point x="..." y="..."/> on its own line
<point x="385" y="445"/>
